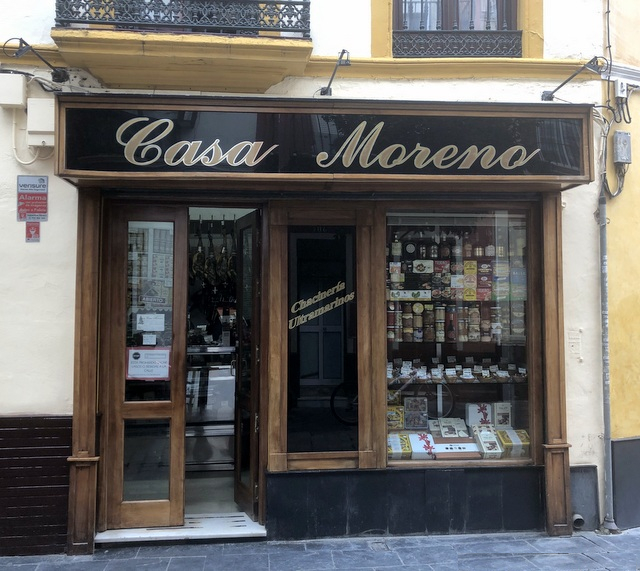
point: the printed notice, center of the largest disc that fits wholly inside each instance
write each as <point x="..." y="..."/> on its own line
<point x="33" y="232"/>
<point x="150" y="322"/>
<point x="32" y="198"/>
<point x="148" y="364"/>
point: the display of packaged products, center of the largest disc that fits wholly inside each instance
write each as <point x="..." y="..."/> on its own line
<point x="415" y="413"/>
<point x="460" y="448"/>
<point x="501" y="415"/>
<point x="487" y="441"/>
<point x="398" y="446"/>
<point x="453" y="427"/>
<point x="457" y="317"/>
<point x="478" y="413"/>
<point x="515" y="443"/>
<point x="434" y="427"/>
<point x="395" y="417"/>
<point x="422" y="446"/>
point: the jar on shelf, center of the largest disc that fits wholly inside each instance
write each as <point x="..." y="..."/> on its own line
<point x="429" y="332"/>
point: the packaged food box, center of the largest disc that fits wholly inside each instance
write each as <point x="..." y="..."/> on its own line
<point x="395" y="417"/>
<point x="487" y="441"/>
<point x="398" y="446"/>
<point x="516" y="443"/>
<point x="456" y="449"/>
<point x="453" y="427"/>
<point x="484" y="294"/>
<point x="471" y="266"/>
<point x="434" y="428"/>
<point x="422" y="446"/>
<point x="469" y="294"/>
<point x="501" y="415"/>
<point x="478" y="413"/>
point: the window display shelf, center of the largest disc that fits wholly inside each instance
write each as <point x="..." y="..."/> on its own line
<point x="456" y="301"/>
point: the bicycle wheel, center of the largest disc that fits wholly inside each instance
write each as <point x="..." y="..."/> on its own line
<point x="344" y="403"/>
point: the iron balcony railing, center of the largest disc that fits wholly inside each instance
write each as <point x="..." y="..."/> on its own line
<point x="241" y="17"/>
<point x="456" y="28"/>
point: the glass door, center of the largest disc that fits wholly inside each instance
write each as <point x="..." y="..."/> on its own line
<point x="143" y="318"/>
<point x="246" y="482"/>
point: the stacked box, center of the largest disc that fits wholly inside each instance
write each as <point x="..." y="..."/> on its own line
<point x="487" y="441"/>
<point x="470" y="280"/>
<point x="422" y="446"/>
<point x="395" y="417"/>
<point x="478" y="413"/>
<point x="398" y="446"/>
<point x="515" y="443"/>
<point x="415" y="413"/>
<point x="501" y="415"/>
<point x="434" y="428"/>
<point x="453" y="427"/>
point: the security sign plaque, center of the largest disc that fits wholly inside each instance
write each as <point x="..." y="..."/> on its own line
<point x="33" y="198"/>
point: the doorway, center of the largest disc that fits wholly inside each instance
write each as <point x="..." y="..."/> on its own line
<point x="180" y="334"/>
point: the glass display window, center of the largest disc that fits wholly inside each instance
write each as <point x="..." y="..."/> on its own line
<point x="456" y="295"/>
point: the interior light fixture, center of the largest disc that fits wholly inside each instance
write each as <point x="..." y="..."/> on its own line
<point x="58" y="74"/>
<point x="343" y="60"/>
<point x="592" y="65"/>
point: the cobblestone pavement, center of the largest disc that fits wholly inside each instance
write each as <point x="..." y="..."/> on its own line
<point x="584" y="551"/>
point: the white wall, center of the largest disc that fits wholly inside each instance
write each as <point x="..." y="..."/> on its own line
<point x="341" y="24"/>
<point x="31" y="20"/>
<point x="573" y="29"/>
<point x="37" y="286"/>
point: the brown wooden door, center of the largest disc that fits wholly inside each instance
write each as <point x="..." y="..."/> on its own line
<point x="143" y="317"/>
<point x="247" y="365"/>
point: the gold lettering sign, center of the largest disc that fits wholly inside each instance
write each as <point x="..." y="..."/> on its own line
<point x="299" y="305"/>
<point x="140" y="137"/>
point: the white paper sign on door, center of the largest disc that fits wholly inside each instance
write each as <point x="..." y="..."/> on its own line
<point x="148" y="364"/>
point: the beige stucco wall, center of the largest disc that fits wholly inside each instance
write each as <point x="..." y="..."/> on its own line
<point x="37" y="286"/>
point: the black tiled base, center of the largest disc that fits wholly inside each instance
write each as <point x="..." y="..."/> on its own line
<point x="307" y="505"/>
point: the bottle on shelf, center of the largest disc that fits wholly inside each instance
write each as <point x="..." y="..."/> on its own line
<point x="396" y="245"/>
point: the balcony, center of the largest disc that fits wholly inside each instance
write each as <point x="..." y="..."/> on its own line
<point x="241" y="46"/>
<point x="456" y="28"/>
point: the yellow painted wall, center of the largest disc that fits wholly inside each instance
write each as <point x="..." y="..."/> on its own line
<point x="623" y="235"/>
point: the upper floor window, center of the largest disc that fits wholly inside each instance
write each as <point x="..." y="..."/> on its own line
<point x="456" y="28"/>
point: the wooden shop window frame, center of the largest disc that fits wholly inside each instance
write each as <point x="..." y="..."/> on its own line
<point x="282" y="215"/>
<point x="545" y="342"/>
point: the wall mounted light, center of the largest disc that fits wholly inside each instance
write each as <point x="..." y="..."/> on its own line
<point x="592" y="65"/>
<point x="343" y="60"/>
<point x="58" y="74"/>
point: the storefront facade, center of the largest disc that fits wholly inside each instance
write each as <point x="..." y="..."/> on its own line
<point x="398" y="266"/>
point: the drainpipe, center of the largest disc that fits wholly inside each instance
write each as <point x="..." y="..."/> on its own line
<point x="609" y="524"/>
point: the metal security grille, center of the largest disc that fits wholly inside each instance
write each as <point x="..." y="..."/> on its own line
<point x="456" y="28"/>
<point x="241" y="17"/>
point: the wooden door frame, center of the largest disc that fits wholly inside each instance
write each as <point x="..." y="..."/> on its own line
<point x="113" y="512"/>
<point x="255" y="224"/>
